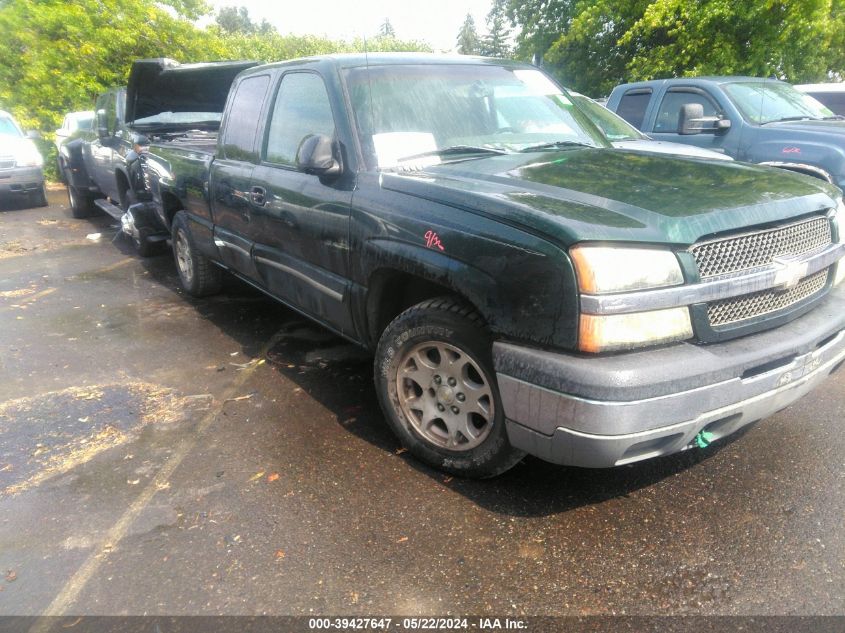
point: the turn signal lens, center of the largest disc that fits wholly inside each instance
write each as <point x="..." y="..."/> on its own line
<point x="628" y="331"/>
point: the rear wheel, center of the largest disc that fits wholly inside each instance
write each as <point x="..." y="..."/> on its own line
<point x="81" y="202"/>
<point x="198" y="275"/>
<point x="438" y="391"/>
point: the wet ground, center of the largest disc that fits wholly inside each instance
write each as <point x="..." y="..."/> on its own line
<point x="166" y="455"/>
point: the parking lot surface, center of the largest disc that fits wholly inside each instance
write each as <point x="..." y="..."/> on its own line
<point x="161" y="454"/>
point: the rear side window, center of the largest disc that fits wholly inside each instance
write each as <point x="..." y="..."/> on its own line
<point x="670" y="109"/>
<point x="633" y="105"/>
<point x="302" y="109"/>
<point x="242" y="119"/>
<point x="835" y="101"/>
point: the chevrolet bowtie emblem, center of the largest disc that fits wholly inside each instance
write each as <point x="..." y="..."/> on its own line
<point x="789" y="272"/>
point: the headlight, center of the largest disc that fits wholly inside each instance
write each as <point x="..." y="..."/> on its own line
<point x="627" y="331"/>
<point x="608" y="269"/>
<point x="29" y="156"/>
<point x="603" y="269"/>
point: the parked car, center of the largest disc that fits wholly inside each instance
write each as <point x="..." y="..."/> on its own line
<point x="21" y="164"/>
<point x="73" y="123"/>
<point x="623" y="135"/>
<point x="754" y="120"/>
<point x="523" y="286"/>
<point x="832" y="95"/>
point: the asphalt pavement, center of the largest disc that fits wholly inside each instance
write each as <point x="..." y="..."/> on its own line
<point x="161" y="454"/>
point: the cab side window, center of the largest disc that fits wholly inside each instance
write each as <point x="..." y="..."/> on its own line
<point x="242" y="120"/>
<point x="302" y="109"/>
<point x="670" y="109"/>
<point x="632" y="106"/>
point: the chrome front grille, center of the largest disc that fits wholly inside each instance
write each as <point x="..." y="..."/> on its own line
<point x="751" y="250"/>
<point x="765" y="302"/>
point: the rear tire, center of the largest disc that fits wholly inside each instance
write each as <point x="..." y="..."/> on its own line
<point x="198" y="275"/>
<point x="81" y="202"/>
<point x="436" y="385"/>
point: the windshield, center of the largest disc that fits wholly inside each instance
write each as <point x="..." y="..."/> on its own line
<point x="82" y="122"/>
<point x="761" y="102"/>
<point x="8" y="127"/>
<point x="405" y="111"/>
<point x="615" y="128"/>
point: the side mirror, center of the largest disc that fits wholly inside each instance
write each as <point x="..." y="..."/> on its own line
<point x="102" y="124"/>
<point x="316" y="156"/>
<point x="693" y="121"/>
<point x="33" y="134"/>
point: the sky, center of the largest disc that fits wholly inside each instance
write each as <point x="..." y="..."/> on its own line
<point x="434" y="21"/>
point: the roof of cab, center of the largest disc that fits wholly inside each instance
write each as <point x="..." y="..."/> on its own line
<point x="352" y="60"/>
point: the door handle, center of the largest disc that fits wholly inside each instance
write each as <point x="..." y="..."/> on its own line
<point x="258" y="196"/>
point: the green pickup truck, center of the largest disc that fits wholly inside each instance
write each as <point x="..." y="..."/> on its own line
<point x="524" y="287"/>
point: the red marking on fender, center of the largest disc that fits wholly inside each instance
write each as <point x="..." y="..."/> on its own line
<point x="791" y="150"/>
<point x="431" y="240"/>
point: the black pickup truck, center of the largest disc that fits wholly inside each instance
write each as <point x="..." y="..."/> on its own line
<point x="524" y="286"/>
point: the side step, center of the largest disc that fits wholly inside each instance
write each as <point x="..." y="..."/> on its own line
<point x="113" y="210"/>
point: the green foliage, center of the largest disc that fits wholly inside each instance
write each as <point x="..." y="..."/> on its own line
<point x="592" y="45"/>
<point x="386" y="29"/>
<point x="236" y="20"/>
<point x="468" y="41"/>
<point x="496" y="42"/>
<point x="541" y="22"/>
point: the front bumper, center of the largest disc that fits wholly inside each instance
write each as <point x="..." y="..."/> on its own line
<point x="606" y="411"/>
<point x="21" y="180"/>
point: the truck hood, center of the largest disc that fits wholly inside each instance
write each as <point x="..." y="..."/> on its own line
<point x="608" y="194"/>
<point x="159" y="86"/>
<point x="829" y="129"/>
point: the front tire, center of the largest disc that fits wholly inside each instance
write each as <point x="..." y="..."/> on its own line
<point x="438" y="391"/>
<point x="81" y="202"/>
<point x="198" y="275"/>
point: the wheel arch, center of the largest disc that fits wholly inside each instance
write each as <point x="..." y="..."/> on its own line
<point x="802" y="168"/>
<point x="391" y="291"/>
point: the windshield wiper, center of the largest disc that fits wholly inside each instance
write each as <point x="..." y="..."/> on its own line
<point x="556" y="145"/>
<point x="835" y="117"/>
<point x="455" y="150"/>
<point x="803" y="117"/>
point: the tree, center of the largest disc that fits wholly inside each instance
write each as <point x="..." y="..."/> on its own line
<point x="386" y="29"/>
<point x="604" y="42"/>
<point x="540" y="23"/>
<point x="56" y="56"/>
<point x="497" y="41"/>
<point x="468" y="40"/>
<point x="236" y="20"/>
